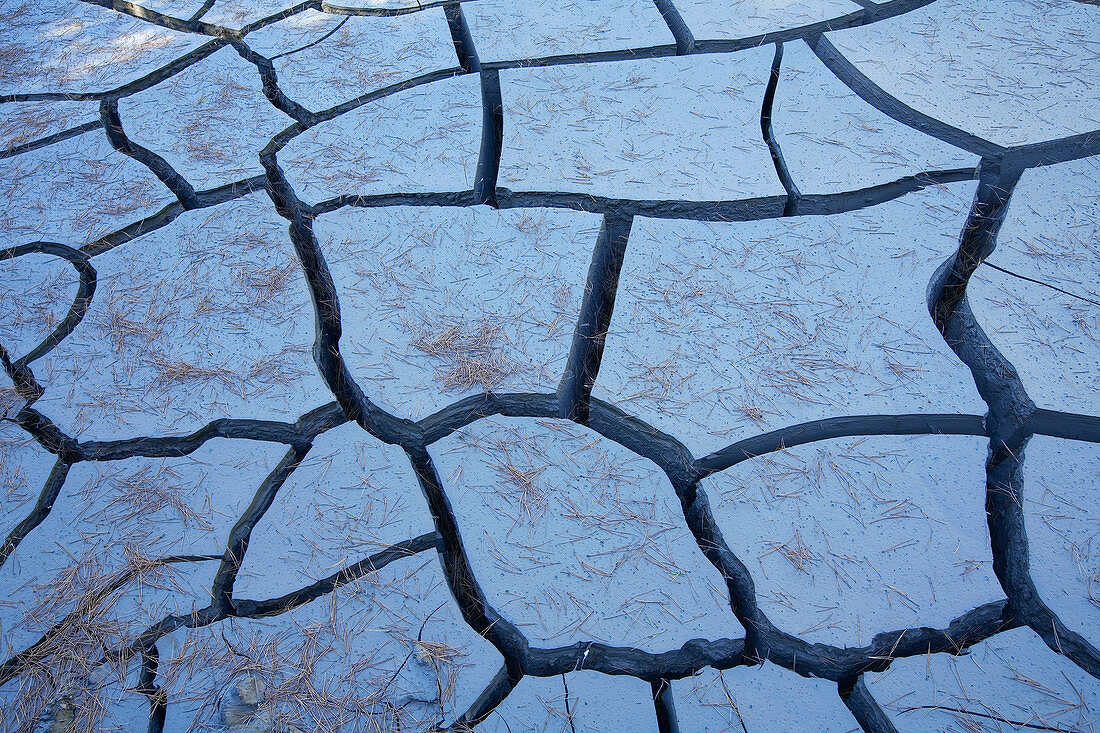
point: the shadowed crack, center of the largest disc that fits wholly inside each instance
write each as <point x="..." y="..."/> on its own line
<point x="890" y="106"/>
<point x="1011" y="411"/>
<point x="793" y="194"/>
<point x="270" y="83"/>
<point x="685" y="42"/>
<point x="664" y="706"/>
<point x="41" y="510"/>
<point x="1012" y="417"/>
<point x="81" y="302"/>
<point x="597" y="306"/>
<point x="160" y="168"/>
<point x="866" y="711"/>
<point x="465" y="589"/>
<point x="164" y="21"/>
<point x="838" y="427"/>
<point x="326" y="349"/>
<point x="147" y="686"/>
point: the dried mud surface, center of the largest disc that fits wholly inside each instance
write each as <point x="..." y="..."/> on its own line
<point x="473" y="365"/>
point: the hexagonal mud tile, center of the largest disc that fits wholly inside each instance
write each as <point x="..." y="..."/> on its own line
<point x="593" y="533"/>
<point x="207" y="317"/>
<point x="671" y="128"/>
<point x="722" y="331"/>
<point x="852" y="537"/>
<point x="439" y="303"/>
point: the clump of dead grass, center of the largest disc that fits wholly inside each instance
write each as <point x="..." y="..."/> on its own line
<point x="468" y="355"/>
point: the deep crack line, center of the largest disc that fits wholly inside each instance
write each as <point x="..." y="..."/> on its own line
<point x="839" y="427"/>
<point x="1010" y="411"/>
<point x="172" y="180"/>
<point x="147" y="686"/>
<point x="461" y="38"/>
<point x="86" y="285"/>
<point x="465" y="590"/>
<point x="664" y="706"/>
<point x="868" y="91"/>
<point x="46" y="498"/>
<point x="270" y="84"/>
<point x="326" y="306"/>
<point x="221" y="591"/>
<point x="492" y="139"/>
<point x="57" y="137"/>
<point x="685" y="41"/>
<point x="793" y="194"/>
<point x="594" y="319"/>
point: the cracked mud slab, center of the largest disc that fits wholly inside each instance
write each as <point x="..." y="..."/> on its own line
<point x="761" y="698"/>
<point x="464" y="300"/>
<point x="209" y="122"/>
<point x="1012" y="74"/>
<point x="76" y="190"/>
<point x="834" y="141"/>
<point x="904" y="546"/>
<point x="747" y="18"/>
<point x="586" y="545"/>
<point x="781" y="322"/>
<point x="1007" y="682"/>
<point x="627" y="365"/>
<point x="420" y="139"/>
<point x="680" y="129"/>
<point x="504" y="30"/>
<point x="210" y="314"/>
<point x="343" y="59"/>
